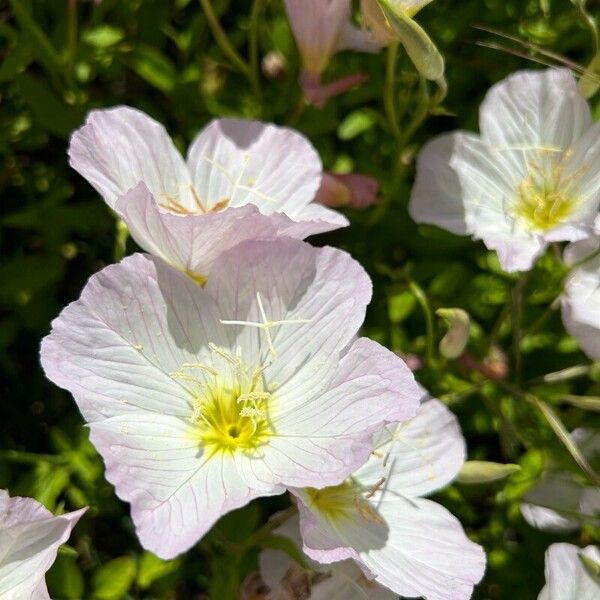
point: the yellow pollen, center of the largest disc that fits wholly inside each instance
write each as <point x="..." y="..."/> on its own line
<point x="230" y="411"/>
<point x="344" y="501"/>
<point x="545" y="198"/>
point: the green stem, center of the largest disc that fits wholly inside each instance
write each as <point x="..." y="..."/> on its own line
<point x="426" y="308"/>
<point x="28" y="458"/>
<point x="71" y="31"/>
<point x="257" y="7"/>
<point x="389" y="99"/>
<point x="498" y="323"/>
<point x="558" y="427"/>
<point x="419" y="116"/>
<point x="542" y="318"/>
<point x="270" y="526"/>
<point x="565" y="374"/>
<point x="222" y="39"/>
<point x="517" y="313"/>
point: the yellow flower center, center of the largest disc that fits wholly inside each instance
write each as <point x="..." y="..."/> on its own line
<point x="230" y="410"/>
<point x="344" y="501"/>
<point x="545" y="198"/>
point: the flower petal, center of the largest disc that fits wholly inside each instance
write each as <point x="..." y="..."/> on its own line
<point x="421" y="455"/>
<point x="176" y="492"/>
<point x="249" y="162"/>
<point x="532" y="109"/>
<point x="190" y="243"/>
<point x="421" y="550"/>
<point x="566" y="576"/>
<point x="118" y="148"/>
<point x="580" y="301"/>
<point x="30" y="536"/>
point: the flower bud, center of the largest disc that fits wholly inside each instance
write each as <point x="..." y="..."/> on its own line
<point x="454" y="342"/>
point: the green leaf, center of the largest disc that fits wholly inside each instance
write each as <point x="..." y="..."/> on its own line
<point x="49" y="112"/>
<point x="355" y="123"/>
<point x="153" y="66"/>
<point x="153" y="568"/>
<point x="400" y="306"/>
<point x="589" y="83"/>
<point x="112" y="580"/>
<point x="103" y="36"/>
<point x="479" y="471"/>
<point x="418" y="45"/>
<point x="64" y="579"/>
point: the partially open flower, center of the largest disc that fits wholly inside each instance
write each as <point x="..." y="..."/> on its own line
<point x="378" y="517"/>
<point x="322" y="28"/>
<point x="392" y="21"/>
<point x="30" y="536"/>
<point x="580" y="301"/>
<point x="531" y="177"/>
<point x="567" y="575"/>
<point x="243" y="180"/>
<point x="200" y="399"/>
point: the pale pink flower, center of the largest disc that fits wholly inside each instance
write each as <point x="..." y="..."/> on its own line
<point x="322" y="28"/>
<point x="200" y="399"/>
<point x="242" y="180"/>
<point x="580" y="301"/>
<point x="567" y="577"/>
<point x="353" y="190"/>
<point x="30" y="536"/>
<point x="530" y="178"/>
<point x="378" y="517"/>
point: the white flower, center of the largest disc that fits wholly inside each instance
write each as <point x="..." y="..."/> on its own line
<point x="200" y="399"/>
<point x="242" y="180"/>
<point x="378" y="517"/>
<point x="567" y="577"/>
<point x="531" y="177"/>
<point x="580" y="301"/>
<point x="29" y="539"/>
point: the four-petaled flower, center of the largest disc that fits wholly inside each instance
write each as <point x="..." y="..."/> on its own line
<point x="531" y="177"/>
<point x="200" y="399"/>
<point x="242" y="180"/>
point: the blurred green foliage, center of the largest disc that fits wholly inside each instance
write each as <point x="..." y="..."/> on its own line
<point x="60" y="58"/>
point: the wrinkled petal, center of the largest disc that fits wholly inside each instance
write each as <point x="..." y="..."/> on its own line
<point x="566" y="576"/>
<point x="249" y="162"/>
<point x="30" y="536"/>
<point x="118" y="148"/>
<point x="419" y="456"/>
<point x="532" y="109"/>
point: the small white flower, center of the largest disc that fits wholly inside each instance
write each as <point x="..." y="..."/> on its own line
<point x="29" y="539"/>
<point x="567" y="577"/>
<point x="580" y="302"/>
<point x="378" y="517"/>
<point x="531" y="177"/>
